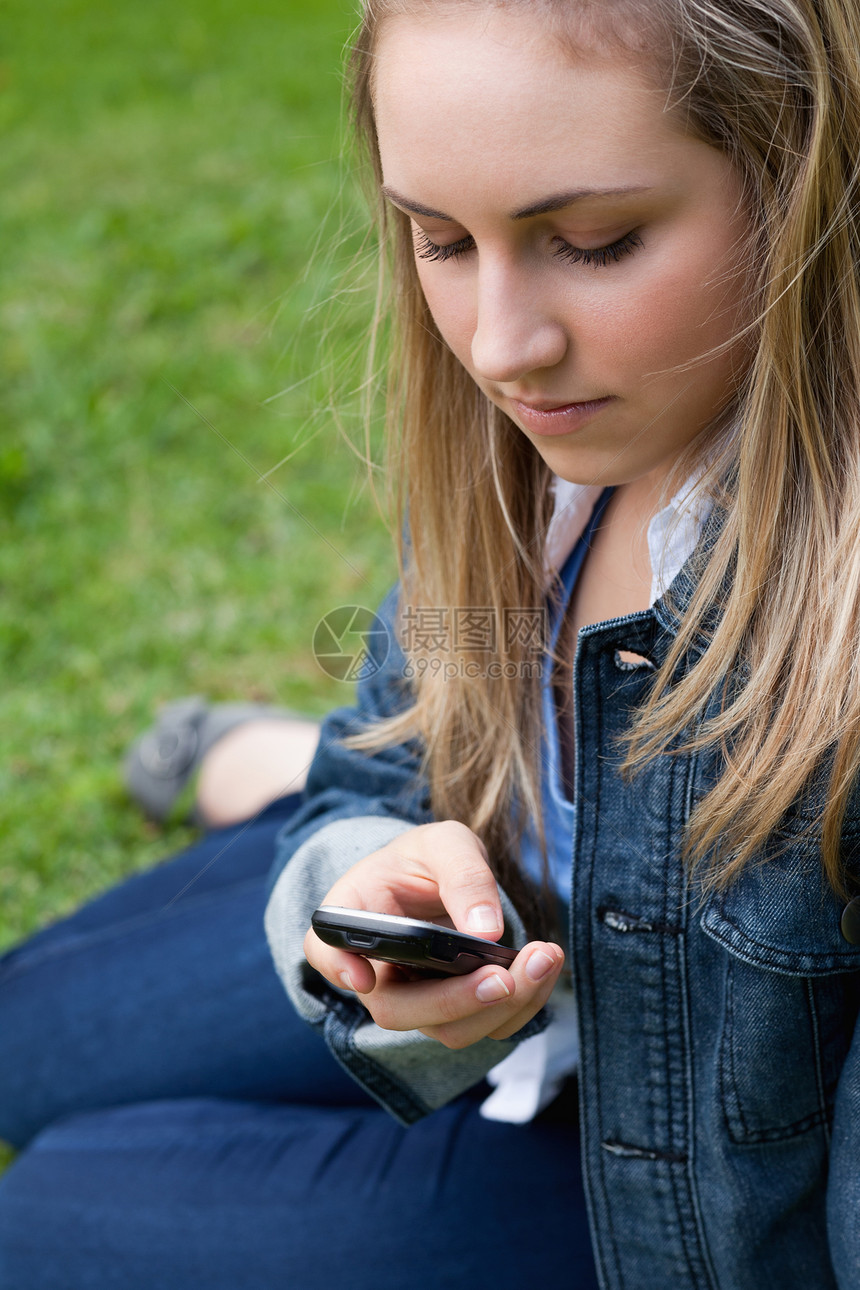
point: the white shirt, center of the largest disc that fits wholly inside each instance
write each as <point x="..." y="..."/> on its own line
<point x="672" y="533"/>
<point x="529" y="1079"/>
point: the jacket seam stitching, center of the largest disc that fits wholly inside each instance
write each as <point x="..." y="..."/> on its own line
<point x="816" y="1046"/>
<point x="736" y="1116"/>
<point x="683" y="945"/>
<point x="781" y="1133"/>
<point x="675" y="1181"/>
<point x="610" y="1229"/>
<point x="826" y="956"/>
<point x="737" y="1127"/>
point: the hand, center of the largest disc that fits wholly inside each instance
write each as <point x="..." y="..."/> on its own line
<point x="438" y="872"/>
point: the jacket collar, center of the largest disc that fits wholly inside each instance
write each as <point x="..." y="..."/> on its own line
<point x="573" y="504"/>
<point x="671" y="607"/>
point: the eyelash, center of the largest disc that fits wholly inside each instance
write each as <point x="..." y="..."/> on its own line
<point x="598" y="257"/>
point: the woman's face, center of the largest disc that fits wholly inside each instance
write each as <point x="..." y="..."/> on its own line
<point x="494" y="141"/>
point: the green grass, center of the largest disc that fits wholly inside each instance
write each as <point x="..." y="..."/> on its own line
<point x="172" y="216"/>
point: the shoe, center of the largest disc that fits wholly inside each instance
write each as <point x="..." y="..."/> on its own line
<point x="160" y="764"/>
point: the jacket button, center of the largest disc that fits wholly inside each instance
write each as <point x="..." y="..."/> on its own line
<point x="851" y="921"/>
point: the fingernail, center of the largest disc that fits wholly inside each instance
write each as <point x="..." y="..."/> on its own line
<point x="346" y="980"/>
<point x="483" y="918"/>
<point x="491" y="989"/>
<point x="539" y="966"/>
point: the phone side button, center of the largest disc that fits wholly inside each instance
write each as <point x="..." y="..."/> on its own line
<point x="444" y="948"/>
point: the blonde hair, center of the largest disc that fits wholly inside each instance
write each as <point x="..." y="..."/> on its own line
<point x="774" y="84"/>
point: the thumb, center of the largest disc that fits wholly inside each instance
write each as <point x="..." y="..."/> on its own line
<point x="484" y="920"/>
<point x="468" y="890"/>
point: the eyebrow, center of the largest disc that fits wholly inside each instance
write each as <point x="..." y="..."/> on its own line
<point x="556" y="202"/>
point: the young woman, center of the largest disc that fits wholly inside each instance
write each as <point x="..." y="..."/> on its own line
<point x="625" y="381"/>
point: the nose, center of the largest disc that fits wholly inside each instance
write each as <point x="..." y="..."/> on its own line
<point x="516" y="330"/>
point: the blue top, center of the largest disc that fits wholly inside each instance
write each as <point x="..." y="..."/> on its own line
<point x="558" y="809"/>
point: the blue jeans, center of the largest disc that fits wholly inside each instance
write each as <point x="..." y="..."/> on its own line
<point x="180" y="1127"/>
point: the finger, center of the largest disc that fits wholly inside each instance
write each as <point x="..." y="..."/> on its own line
<point x="414" y="1005"/>
<point x="467" y="888"/>
<point x="535" y="973"/>
<point x="460" y="1006"/>
<point x="437" y="871"/>
<point x="546" y="983"/>
<point x="348" y="971"/>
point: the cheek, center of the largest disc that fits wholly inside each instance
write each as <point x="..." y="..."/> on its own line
<point x="677" y="315"/>
<point x="452" y="308"/>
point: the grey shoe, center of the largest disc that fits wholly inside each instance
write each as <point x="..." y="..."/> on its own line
<point x="160" y="764"/>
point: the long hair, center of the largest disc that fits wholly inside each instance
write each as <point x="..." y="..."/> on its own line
<point x="774" y="84"/>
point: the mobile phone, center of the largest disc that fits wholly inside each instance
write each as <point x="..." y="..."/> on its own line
<point x="423" y="948"/>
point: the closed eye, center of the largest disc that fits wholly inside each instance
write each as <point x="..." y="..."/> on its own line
<point x="427" y="250"/>
<point x="599" y="256"/>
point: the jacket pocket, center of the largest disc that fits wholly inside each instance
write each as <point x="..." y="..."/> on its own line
<point x="790" y="996"/>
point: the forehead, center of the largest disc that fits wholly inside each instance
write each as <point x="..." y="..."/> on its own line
<point x="473" y="85"/>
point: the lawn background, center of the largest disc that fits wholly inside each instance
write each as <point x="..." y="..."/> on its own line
<point x="175" y="225"/>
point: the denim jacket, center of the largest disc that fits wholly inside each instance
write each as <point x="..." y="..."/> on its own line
<point x="720" y="1076"/>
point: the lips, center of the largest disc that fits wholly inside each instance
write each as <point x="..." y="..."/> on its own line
<point x="545" y="405"/>
<point x="543" y="417"/>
